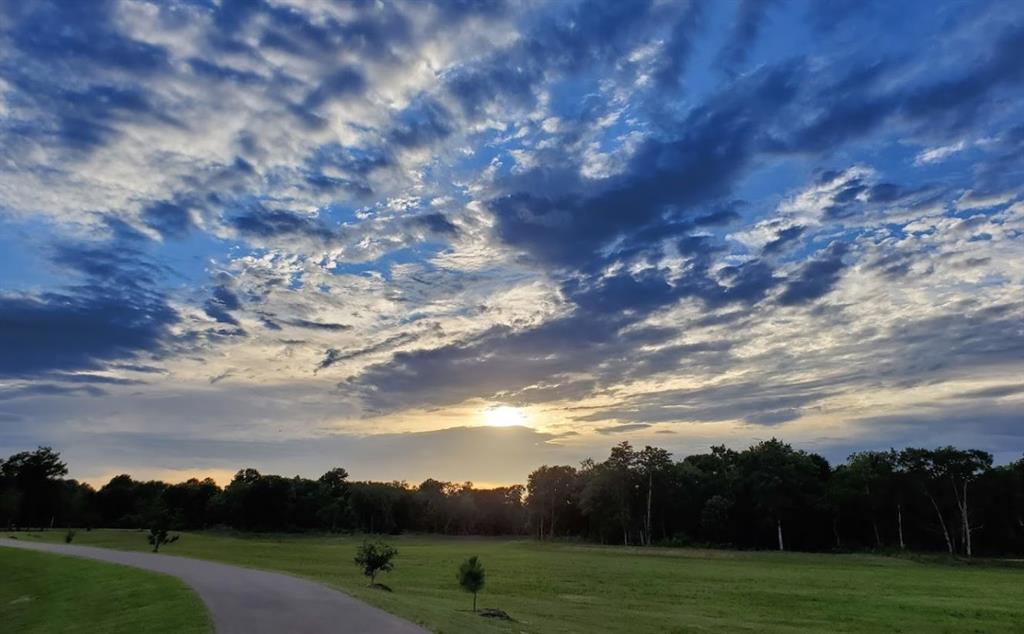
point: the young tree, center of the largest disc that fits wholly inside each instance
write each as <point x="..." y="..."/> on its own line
<point x="158" y="536"/>
<point x="374" y="557"/>
<point x="471" y="577"/>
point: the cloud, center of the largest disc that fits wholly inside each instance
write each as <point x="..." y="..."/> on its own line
<point x="750" y="16"/>
<point x="621" y="429"/>
<point x="613" y="214"/>
<point x="113" y="314"/>
<point x="816" y="278"/>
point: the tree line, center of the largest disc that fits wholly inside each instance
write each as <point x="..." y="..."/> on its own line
<point x="767" y="496"/>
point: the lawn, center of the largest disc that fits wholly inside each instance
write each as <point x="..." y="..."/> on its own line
<point x="580" y="588"/>
<point x="45" y="593"/>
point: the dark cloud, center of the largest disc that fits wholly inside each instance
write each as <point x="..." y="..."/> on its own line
<point x="783" y="238"/>
<point x="113" y="314"/>
<point x="750" y="18"/>
<point x="221" y="304"/>
<point x="715" y="144"/>
<point x="998" y="391"/>
<point x="817" y="277"/>
<point x="424" y="122"/>
<point x="48" y="389"/>
<point x="757" y="403"/>
<point x="621" y="429"/>
<point x="171" y="220"/>
<point x="261" y="222"/>
<point x="79" y="34"/>
<point x="333" y="355"/>
<point x="435" y="223"/>
<point x="317" y="325"/>
<point x="860" y="102"/>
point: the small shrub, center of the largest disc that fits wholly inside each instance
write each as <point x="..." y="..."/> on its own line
<point x="471" y="577"/>
<point x="69" y="536"/>
<point x="374" y="557"/>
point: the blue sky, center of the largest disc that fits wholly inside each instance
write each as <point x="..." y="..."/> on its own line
<point x="462" y="239"/>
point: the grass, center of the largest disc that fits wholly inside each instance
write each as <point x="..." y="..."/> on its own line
<point x="44" y="593"/>
<point x="579" y="588"/>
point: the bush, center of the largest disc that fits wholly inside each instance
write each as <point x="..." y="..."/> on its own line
<point x="69" y="536"/>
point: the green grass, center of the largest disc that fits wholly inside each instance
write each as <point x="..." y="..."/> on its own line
<point x="44" y="593"/>
<point x="578" y="588"/>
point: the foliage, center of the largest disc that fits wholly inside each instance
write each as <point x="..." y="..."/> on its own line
<point x="769" y="495"/>
<point x="158" y="536"/>
<point x="471" y="577"/>
<point x="375" y="557"/>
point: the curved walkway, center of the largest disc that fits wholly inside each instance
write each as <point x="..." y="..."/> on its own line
<point x="246" y="601"/>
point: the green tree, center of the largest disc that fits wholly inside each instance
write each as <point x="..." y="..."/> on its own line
<point x="158" y="536"/>
<point x="471" y="577"/>
<point x="783" y="482"/>
<point x="375" y="557"/>
<point x="653" y="462"/>
<point x="35" y="476"/>
<point x="551" y="498"/>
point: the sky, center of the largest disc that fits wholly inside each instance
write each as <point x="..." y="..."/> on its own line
<point x="464" y="238"/>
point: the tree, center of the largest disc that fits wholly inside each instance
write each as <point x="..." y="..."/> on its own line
<point x="471" y="577"/>
<point x="551" y="497"/>
<point x="158" y="537"/>
<point x="609" y="492"/>
<point x="783" y="482"/>
<point x="35" y="475"/>
<point x="714" y="518"/>
<point x="333" y="487"/>
<point x="374" y="557"/>
<point x="960" y="468"/>
<point x="925" y="473"/>
<point x="872" y="476"/>
<point x="651" y="461"/>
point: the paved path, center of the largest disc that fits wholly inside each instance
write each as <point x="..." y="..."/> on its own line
<point x="245" y="601"/>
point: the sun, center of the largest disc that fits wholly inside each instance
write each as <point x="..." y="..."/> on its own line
<point x="504" y="416"/>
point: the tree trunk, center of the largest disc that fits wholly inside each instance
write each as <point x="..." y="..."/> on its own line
<point x="967" y="522"/>
<point x="942" y="523"/>
<point x="474" y="602"/>
<point x="899" y="525"/>
<point x="650" y="494"/>
<point x="778" y="525"/>
<point x="878" y="538"/>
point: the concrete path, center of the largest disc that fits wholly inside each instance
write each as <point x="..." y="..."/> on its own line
<point x="245" y="601"/>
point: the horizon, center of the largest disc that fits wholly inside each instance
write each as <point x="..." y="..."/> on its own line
<point x="223" y="477"/>
<point x="463" y="240"/>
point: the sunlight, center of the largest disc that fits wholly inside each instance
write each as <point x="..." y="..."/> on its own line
<point x="504" y="416"/>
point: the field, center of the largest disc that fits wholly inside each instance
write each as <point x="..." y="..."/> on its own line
<point x="580" y="588"/>
<point x="43" y="593"/>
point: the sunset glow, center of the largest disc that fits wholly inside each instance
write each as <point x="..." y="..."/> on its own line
<point x="504" y="416"/>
